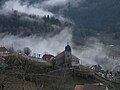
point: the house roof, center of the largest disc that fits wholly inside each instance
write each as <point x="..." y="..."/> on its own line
<point x="3" y="49"/>
<point x="96" y="66"/>
<point x="79" y="87"/>
<point x="47" y="56"/>
<point x="60" y="55"/>
<point x="94" y="87"/>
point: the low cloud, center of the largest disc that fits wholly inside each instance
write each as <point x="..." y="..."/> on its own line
<point x="94" y="53"/>
<point x="31" y="9"/>
<point x="54" y="3"/>
<point x="51" y="45"/>
<point x="40" y="8"/>
<point x="25" y="8"/>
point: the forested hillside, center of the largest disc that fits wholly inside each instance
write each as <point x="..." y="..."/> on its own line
<point x="24" y="25"/>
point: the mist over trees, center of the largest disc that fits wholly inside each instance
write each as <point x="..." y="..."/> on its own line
<point x="25" y="25"/>
<point x="91" y="18"/>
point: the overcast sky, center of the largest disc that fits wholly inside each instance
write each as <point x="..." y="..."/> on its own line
<point x="16" y="5"/>
<point x="52" y="3"/>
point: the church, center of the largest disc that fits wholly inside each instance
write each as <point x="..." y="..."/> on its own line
<point x="66" y="58"/>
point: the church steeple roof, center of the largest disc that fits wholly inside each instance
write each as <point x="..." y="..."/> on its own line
<point x="68" y="48"/>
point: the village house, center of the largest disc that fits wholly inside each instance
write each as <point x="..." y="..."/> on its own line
<point x="90" y="87"/>
<point x="114" y="74"/>
<point x="117" y="76"/>
<point x="96" y="68"/>
<point x="66" y="58"/>
<point x="48" y="57"/>
<point x="4" y="51"/>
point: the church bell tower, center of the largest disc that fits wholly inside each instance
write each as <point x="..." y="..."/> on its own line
<point x="68" y="55"/>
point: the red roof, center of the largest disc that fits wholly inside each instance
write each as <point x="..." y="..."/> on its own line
<point x="79" y="87"/>
<point x="3" y="49"/>
<point x="47" y="56"/>
<point x="60" y="54"/>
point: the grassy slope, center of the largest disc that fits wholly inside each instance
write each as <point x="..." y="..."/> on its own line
<point x="43" y="81"/>
<point x="12" y="83"/>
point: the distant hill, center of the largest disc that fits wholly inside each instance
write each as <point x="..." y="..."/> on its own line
<point x="25" y="25"/>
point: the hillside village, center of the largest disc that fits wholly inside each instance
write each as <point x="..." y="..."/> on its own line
<point x="61" y="69"/>
<point x="39" y="24"/>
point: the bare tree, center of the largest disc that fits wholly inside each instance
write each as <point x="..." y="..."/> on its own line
<point x="27" y="51"/>
<point x="11" y="49"/>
